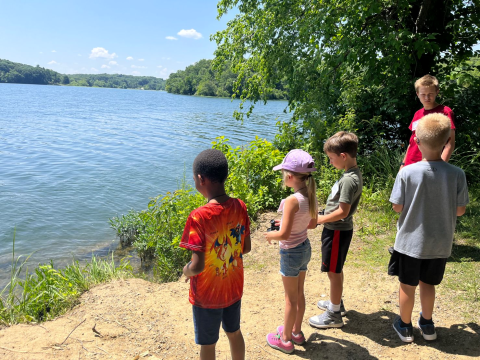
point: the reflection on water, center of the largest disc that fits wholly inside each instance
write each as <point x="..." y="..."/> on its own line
<point x="71" y="158"/>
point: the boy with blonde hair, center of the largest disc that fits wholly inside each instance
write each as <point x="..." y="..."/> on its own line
<point x="427" y="89"/>
<point x="337" y="233"/>
<point x="429" y="195"/>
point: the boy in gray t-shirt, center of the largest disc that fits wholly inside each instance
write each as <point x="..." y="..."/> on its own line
<point x="337" y="233"/>
<point x="429" y="195"/>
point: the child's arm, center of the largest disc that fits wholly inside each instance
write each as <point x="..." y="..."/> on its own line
<point x="339" y="214"/>
<point x="247" y="245"/>
<point x="312" y="224"/>
<point x="449" y="147"/>
<point x="397" y="208"/>
<point x="461" y="210"/>
<point x="196" y="265"/>
<point x="289" y="209"/>
<point x="404" y="158"/>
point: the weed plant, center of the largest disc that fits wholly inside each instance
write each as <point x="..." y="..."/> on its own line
<point x="48" y="292"/>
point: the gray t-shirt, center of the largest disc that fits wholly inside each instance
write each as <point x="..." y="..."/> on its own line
<point x="430" y="192"/>
<point x="348" y="190"/>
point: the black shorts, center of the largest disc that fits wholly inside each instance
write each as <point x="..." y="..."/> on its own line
<point x="411" y="270"/>
<point x="335" y="244"/>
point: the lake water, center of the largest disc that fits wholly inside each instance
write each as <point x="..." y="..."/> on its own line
<point x="72" y="157"/>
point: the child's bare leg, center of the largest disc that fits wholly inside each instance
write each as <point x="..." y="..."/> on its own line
<point x="427" y="299"/>
<point x="297" y="327"/>
<point x="207" y="352"/>
<point x="336" y="287"/>
<point x="291" y="304"/>
<point x="237" y="345"/>
<point x="406" y="298"/>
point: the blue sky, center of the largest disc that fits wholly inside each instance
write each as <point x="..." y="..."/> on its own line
<point x="142" y="37"/>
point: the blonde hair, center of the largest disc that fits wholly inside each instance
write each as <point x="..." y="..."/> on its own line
<point x="342" y="142"/>
<point x="311" y="189"/>
<point x="433" y="130"/>
<point x="427" y="80"/>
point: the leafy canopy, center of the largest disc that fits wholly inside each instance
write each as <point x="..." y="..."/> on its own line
<point x="348" y="64"/>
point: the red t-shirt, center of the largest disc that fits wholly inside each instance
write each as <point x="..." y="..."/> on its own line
<point x="413" y="154"/>
<point x="218" y="230"/>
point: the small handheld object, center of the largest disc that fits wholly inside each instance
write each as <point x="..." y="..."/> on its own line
<point x="321" y="212"/>
<point x="273" y="227"/>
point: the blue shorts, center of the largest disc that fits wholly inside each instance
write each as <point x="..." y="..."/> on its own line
<point x="207" y="322"/>
<point x="294" y="260"/>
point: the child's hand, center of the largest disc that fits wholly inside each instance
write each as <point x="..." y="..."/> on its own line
<point x="267" y="236"/>
<point x="320" y="219"/>
<point x="187" y="278"/>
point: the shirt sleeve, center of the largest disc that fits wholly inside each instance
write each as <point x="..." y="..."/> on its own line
<point x="193" y="237"/>
<point x="347" y="190"/>
<point x="247" y="220"/>
<point x="398" y="192"/>
<point x="449" y="113"/>
<point x="462" y="190"/>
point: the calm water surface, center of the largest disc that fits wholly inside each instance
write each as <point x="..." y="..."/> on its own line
<point x="72" y="157"/>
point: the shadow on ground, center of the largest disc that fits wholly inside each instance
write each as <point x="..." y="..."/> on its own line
<point x="459" y="339"/>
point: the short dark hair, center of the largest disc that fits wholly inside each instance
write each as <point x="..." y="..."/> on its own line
<point x="211" y="164"/>
<point x="342" y="142"/>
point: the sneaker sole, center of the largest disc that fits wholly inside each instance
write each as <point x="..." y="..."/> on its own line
<point x="278" y="348"/>
<point x="403" y="338"/>
<point x="318" y="326"/>
<point x="343" y="313"/>
<point x="426" y="336"/>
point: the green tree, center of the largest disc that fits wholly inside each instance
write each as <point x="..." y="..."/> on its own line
<point x="351" y="64"/>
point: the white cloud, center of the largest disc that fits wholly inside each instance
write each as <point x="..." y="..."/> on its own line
<point x="41" y="52"/>
<point x="165" y="58"/>
<point x="138" y="67"/>
<point x="129" y="58"/>
<point x="112" y="63"/>
<point x="191" y="34"/>
<point x="53" y="62"/>
<point x="105" y="67"/>
<point x="141" y="59"/>
<point x="170" y="38"/>
<point x="100" y="52"/>
<point x="136" y="73"/>
<point x="54" y="51"/>
<point x="159" y="66"/>
<point x="164" y="73"/>
<point x="94" y="70"/>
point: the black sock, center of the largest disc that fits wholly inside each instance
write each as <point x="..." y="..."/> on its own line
<point x="403" y="325"/>
<point x="424" y="321"/>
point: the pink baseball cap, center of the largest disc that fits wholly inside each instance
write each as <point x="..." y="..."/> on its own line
<point x="297" y="161"/>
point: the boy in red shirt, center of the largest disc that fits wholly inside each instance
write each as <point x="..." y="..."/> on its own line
<point x="218" y="234"/>
<point x="427" y="89"/>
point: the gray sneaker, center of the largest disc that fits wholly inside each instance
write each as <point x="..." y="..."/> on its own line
<point x="324" y="304"/>
<point x="328" y="319"/>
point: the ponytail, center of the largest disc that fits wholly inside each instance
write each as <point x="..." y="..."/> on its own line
<point x="312" y="196"/>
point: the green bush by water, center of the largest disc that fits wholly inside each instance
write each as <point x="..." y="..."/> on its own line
<point x="48" y="292"/>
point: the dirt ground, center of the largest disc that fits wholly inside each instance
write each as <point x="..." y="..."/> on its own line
<point x="136" y="319"/>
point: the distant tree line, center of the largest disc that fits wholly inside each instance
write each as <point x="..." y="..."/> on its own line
<point x="203" y="79"/>
<point x="117" y="81"/>
<point x="12" y="72"/>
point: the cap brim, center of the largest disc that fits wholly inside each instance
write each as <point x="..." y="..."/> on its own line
<point x="278" y="167"/>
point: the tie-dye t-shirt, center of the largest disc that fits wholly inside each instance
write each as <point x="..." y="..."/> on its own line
<point x="218" y="230"/>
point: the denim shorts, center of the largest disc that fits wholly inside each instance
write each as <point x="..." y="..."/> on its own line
<point x="294" y="260"/>
<point x="207" y="322"/>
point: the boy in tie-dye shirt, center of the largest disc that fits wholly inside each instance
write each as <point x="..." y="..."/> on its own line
<point x="218" y="234"/>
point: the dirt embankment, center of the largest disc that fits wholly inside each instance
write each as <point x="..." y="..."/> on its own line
<point x="136" y="319"/>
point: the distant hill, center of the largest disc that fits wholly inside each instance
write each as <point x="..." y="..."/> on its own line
<point x="12" y="72"/>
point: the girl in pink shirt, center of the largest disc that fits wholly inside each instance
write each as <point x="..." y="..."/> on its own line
<point x="299" y="214"/>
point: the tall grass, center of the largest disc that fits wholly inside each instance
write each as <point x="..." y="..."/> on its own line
<point x="47" y="292"/>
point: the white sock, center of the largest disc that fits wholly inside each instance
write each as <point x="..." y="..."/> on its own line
<point x="333" y="307"/>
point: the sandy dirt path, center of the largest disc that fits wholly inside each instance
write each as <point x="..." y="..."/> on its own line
<point x="136" y="319"/>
